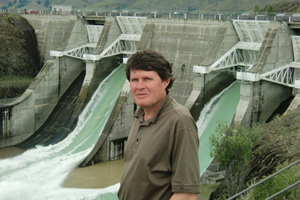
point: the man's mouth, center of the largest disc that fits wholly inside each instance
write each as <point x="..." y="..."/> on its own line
<point x="141" y="94"/>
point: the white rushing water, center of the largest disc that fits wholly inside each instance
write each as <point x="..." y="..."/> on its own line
<point x="37" y="173"/>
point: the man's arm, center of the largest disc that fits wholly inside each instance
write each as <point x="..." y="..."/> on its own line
<point x="184" y="196"/>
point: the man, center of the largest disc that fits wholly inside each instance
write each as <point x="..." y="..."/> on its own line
<point x="161" y="153"/>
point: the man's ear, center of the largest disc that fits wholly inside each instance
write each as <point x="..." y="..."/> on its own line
<point x="166" y="82"/>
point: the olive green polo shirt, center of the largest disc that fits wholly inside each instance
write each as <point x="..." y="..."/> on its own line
<point x="161" y="155"/>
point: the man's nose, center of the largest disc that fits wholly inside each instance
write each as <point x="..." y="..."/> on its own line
<point x="140" y="84"/>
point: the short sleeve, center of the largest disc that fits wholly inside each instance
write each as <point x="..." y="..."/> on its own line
<point x="185" y="161"/>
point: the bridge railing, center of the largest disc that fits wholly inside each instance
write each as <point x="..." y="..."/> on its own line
<point x="220" y="15"/>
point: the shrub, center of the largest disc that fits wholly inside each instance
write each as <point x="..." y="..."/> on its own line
<point x="232" y="147"/>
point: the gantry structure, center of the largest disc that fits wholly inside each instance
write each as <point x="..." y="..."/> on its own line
<point x="126" y="43"/>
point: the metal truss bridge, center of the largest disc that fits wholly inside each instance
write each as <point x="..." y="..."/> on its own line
<point x="125" y="43"/>
<point x="251" y="35"/>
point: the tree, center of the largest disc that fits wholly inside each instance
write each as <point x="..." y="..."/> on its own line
<point x="46" y="3"/>
<point x="256" y="8"/>
<point x="232" y="147"/>
<point x="10" y="4"/>
<point x="270" y="10"/>
<point x="22" y="3"/>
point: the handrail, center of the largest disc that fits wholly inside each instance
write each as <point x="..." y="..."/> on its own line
<point x="287" y="188"/>
<point x="260" y="182"/>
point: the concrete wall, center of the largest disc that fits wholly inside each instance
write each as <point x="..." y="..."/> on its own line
<point x="78" y="36"/>
<point x="53" y="85"/>
<point x="120" y="130"/>
<point x="258" y="100"/>
<point x="276" y="50"/>
<point x="113" y="32"/>
<point x="26" y="114"/>
<point x="53" y="32"/>
<point x="16" y="120"/>
<point x="272" y="95"/>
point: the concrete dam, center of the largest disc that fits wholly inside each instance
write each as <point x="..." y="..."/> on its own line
<point x="207" y="55"/>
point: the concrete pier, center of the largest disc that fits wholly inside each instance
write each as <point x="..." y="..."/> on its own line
<point x="259" y="99"/>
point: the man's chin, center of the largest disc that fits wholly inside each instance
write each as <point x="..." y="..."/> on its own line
<point x="141" y="104"/>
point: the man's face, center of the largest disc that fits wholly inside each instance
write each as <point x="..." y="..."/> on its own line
<point x="147" y="88"/>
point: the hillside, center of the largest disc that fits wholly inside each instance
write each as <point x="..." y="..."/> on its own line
<point x="284" y="7"/>
<point x="17" y="66"/>
<point x="143" y="5"/>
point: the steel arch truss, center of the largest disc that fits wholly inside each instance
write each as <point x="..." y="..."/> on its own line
<point x="78" y="52"/>
<point x="230" y="59"/>
<point x="241" y="54"/>
<point x="283" y="75"/>
<point x="124" y="44"/>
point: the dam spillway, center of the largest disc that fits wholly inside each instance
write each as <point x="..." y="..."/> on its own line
<point x="35" y="173"/>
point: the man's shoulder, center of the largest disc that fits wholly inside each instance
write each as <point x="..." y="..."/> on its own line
<point x="182" y="117"/>
<point x="178" y="110"/>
